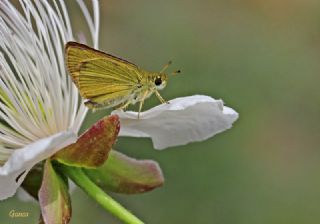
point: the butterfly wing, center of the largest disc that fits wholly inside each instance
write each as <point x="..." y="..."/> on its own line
<point x="102" y="78"/>
<point x="106" y="84"/>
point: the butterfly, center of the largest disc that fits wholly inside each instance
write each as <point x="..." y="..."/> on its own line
<point x="106" y="81"/>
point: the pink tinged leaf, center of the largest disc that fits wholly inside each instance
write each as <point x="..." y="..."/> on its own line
<point x="53" y="197"/>
<point x="92" y="148"/>
<point x="126" y="175"/>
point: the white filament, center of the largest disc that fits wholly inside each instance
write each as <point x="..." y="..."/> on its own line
<point x="37" y="96"/>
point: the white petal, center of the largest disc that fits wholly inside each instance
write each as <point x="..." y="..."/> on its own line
<point x="25" y="158"/>
<point x="184" y="120"/>
<point x="37" y="95"/>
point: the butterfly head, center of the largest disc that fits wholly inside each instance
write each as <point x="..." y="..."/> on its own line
<point x="160" y="81"/>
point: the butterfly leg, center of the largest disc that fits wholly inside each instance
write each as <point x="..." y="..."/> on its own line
<point x="160" y="97"/>
<point x="142" y="101"/>
<point x="124" y="106"/>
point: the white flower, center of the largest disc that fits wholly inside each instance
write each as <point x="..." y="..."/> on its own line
<point x="183" y="120"/>
<point x="39" y="109"/>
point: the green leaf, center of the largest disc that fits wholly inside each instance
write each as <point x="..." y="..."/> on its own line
<point x="126" y="175"/>
<point x="92" y="148"/>
<point x="53" y="197"/>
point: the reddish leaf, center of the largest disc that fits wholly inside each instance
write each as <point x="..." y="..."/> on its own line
<point x="92" y="148"/>
<point x="126" y="175"/>
<point x="53" y="197"/>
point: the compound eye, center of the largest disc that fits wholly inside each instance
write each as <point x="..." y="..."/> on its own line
<point x="158" y="81"/>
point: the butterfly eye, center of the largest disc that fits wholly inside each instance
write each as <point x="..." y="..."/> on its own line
<point x="158" y="81"/>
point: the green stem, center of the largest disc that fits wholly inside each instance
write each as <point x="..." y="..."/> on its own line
<point x="81" y="179"/>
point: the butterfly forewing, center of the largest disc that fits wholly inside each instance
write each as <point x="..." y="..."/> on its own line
<point x="76" y="54"/>
<point x="96" y="81"/>
<point x="103" y="79"/>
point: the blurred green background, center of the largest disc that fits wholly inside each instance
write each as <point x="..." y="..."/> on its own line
<point x="262" y="58"/>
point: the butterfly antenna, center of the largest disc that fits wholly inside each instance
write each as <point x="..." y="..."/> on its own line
<point x="166" y="66"/>
<point x="175" y="72"/>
